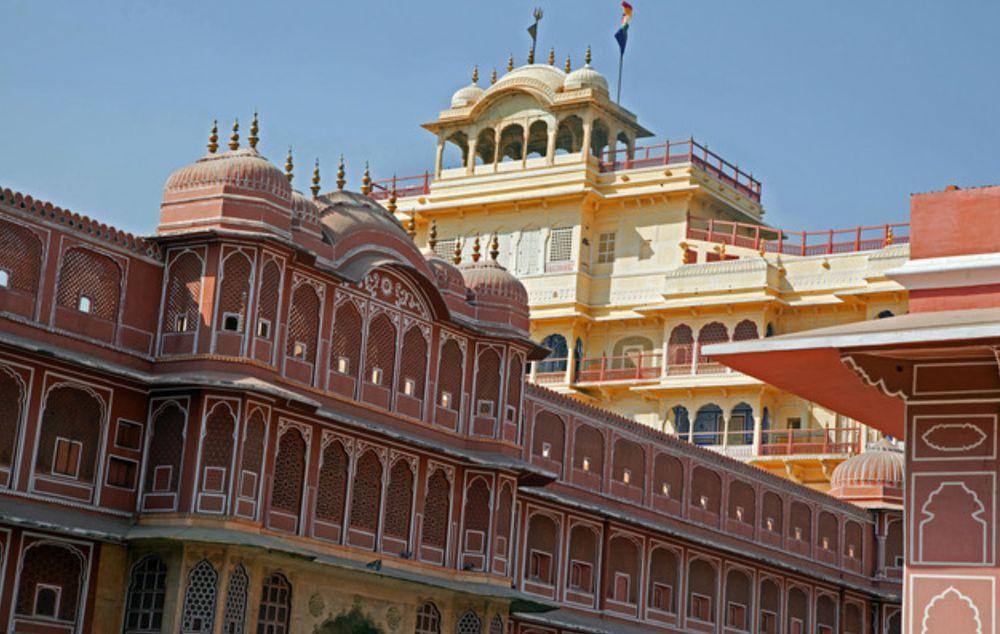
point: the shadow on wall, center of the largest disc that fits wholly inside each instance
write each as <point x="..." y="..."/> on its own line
<point x="353" y="622"/>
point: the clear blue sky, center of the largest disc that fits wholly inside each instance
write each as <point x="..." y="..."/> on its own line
<point x="842" y="109"/>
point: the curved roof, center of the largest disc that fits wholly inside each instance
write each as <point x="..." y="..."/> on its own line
<point x="585" y="77"/>
<point x="244" y="168"/>
<point x="872" y="478"/>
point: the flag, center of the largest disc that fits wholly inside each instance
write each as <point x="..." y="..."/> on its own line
<point x="621" y="35"/>
<point x="533" y="31"/>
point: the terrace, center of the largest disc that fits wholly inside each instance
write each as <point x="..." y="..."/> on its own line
<point x="802" y="243"/>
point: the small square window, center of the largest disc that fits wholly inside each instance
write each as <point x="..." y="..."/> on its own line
<point x="84" y="304"/>
<point x="797" y="533"/>
<point x="376" y="376"/>
<point x="626" y="476"/>
<point x="47" y="600"/>
<point x="128" y="435"/>
<point x="163" y="476"/>
<point x="580" y="576"/>
<point x="343" y="365"/>
<point x="768" y="622"/>
<point x="736" y="616"/>
<point x="703" y="502"/>
<point x="4" y="278"/>
<point x="231" y="322"/>
<point x="540" y="567"/>
<point x="181" y="323"/>
<point x="586" y="463"/>
<point x="511" y="414"/>
<point x="898" y="562"/>
<point x="299" y="350"/>
<point x="484" y="408"/>
<point x="665" y="490"/>
<point x="561" y="244"/>
<point x="546" y="449"/>
<point x="739" y="513"/>
<point x="66" y="457"/>
<point x="701" y="607"/>
<point x="769" y="523"/>
<point x="409" y="387"/>
<point x="263" y="328"/>
<point x="446" y="400"/>
<point x="121" y="473"/>
<point x="663" y="596"/>
<point x="606" y="248"/>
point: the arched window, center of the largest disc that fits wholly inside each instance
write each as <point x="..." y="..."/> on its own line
<point x="772" y="510"/>
<point x="569" y="135"/>
<point x="702" y="590"/>
<point x="706" y="490"/>
<point x="623" y="570"/>
<point x="668" y="477"/>
<point x="487" y="384"/>
<point x="267" y="301"/>
<point x="303" y="324"/>
<point x="714" y="332"/>
<point x="234" y="614"/>
<point x="826" y="614"/>
<point x="451" y="369"/>
<point x="854" y="622"/>
<point x="399" y="501"/>
<point x="253" y="455"/>
<point x="331" y="491"/>
<point x="275" y="605"/>
<point x="682" y="422"/>
<point x="548" y="433"/>
<point x="87" y="274"/>
<point x="599" y="138"/>
<point x="853" y="540"/>
<point x="503" y="519"/>
<point x="680" y="350"/>
<point x="742" y="503"/>
<point x="366" y="500"/>
<point x="515" y="382"/>
<point x="664" y="573"/>
<point x="798" y="611"/>
<point x="894" y="543"/>
<point x="769" y="331"/>
<point x="413" y="365"/>
<point x="11" y="394"/>
<point x="829" y="532"/>
<point x="345" y="348"/>
<point x="234" y="293"/>
<point x="588" y="451"/>
<point x="538" y="138"/>
<point x="20" y="258"/>
<point x="50" y="582"/>
<point x="707" y="424"/>
<point x="380" y="352"/>
<point x="289" y="472"/>
<point x="559" y="353"/>
<point x="800" y="524"/>
<point x="166" y="449"/>
<point x="486" y="146"/>
<point x="456" y="152"/>
<point x="70" y="433"/>
<point x="469" y="624"/>
<point x="541" y="550"/>
<point x="770" y="607"/>
<point x="146" y="592"/>
<point x="199" y="599"/>
<point x="476" y="520"/>
<point x="628" y="464"/>
<point x="437" y="511"/>
<point x="428" y="619"/>
<point x="183" y="295"/>
<point x="512" y="142"/>
<point x="745" y="331"/>
<point x="496" y="625"/>
<point x="217" y="449"/>
<point x="738" y="600"/>
<point x="582" y="564"/>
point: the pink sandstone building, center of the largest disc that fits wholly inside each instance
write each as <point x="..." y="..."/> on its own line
<point x="279" y="415"/>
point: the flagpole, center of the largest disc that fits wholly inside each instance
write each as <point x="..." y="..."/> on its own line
<point x="621" y="60"/>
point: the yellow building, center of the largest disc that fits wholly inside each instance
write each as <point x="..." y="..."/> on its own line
<point x="634" y="257"/>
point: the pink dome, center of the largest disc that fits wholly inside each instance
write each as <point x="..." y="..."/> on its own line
<point x="494" y="284"/>
<point x="304" y="210"/>
<point x="447" y="276"/>
<point x="881" y="464"/>
<point x="244" y="168"/>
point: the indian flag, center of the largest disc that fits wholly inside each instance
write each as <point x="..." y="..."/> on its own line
<point x="622" y="33"/>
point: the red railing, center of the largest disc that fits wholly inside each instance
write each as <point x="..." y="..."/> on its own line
<point x="549" y="371"/>
<point x="418" y="185"/>
<point x="787" y="442"/>
<point x="772" y="240"/>
<point x="689" y="151"/>
<point x="628" y="367"/>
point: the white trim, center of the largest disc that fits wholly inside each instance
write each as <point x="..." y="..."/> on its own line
<point x="951" y="271"/>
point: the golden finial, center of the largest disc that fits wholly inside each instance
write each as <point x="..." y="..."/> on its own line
<point x="432" y="235"/>
<point x="494" y="247"/>
<point x="213" y="137"/>
<point x="391" y="206"/>
<point x="289" y="165"/>
<point x="510" y="62"/>
<point x="366" y="181"/>
<point x="254" y="129"/>
<point x="341" y="181"/>
<point x="552" y="57"/>
<point x="475" y="75"/>
<point x="569" y="65"/>
<point x="411" y="226"/>
<point x="888" y="236"/>
<point x="315" y="180"/>
<point x="531" y="55"/>
<point x="234" y="141"/>
<point x="493" y="76"/>
<point x="456" y="257"/>
<point x="475" y="249"/>
<point x="586" y="58"/>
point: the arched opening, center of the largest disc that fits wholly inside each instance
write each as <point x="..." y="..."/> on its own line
<point x="476" y="520"/>
<point x="742" y="503"/>
<point x="70" y="435"/>
<point x="542" y="549"/>
<point x="770" y="607"/>
<point x="234" y="292"/>
<point x="558" y="354"/>
<point x="366" y="500"/>
<point x="629" y="464"/>
<point x="599" y="137"/>
<point x="538" y="138"/>
<point x="714" y="332"/>
<point x="631" y="353"/>
<point x="664" y="572"/>
<point x="486" y="146"/>
<point x="569" y="135"/>
<point x="456" y="150"/>
<point x="853" y="618"/>
<point x="800" y="524"/>
<point x="853" y="540"/>
<point x="702" y="591"/>
<point x="146" y="593"/>
<point x="707" y="424"/>
<point x="582" y="559"/>
<point x="437" y="507"/>
<point x="331" y="493"/>
<point x="668" y="477"/>
<point x="627" y="150"/>
<point x="772" y="511"/>
<point x="828" y="527"/>
<point x="50" y="583"/>
<point x="798" y="611"/>
<point x="738" y="600"/>
<point x="745" y="331"/>
<point x="885" y="314"/>
<point x="548" y="433"/>
<point x="303" y="324"/>
<point x="682" y="422"/>
<point x="512" y="143"/>
<point x="588" y="451"/>
<point x="398" y="508"/>
<point x="826" y="614"/>
<point x="894" y="544"/>
<point x="706" y="490"/>
<point x="739" y="427"/>
<point x="623" y="570"/>
<point x="680" y="350"/>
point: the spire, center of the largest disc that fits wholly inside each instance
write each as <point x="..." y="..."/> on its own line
<point x="552" y="57"/>
<point x="341" y="174"/>
<point x="494" y="247"/>
<point x="493" y="76"/>
<point x="254" y="129"/>
<point x="213" y="137"/>
<point x="569" y="65"/>
<point x="586" y="59"/>
<point x="475" y="75"/>
<point x="456" y="257"/>
<point x="234" y="140"/>
<point x="411" y="226"/>
<point x="392" y="197"/>
<point x="315" y="180"/>
<point x="432" y="235"/>
<point x="366" y="181"/>
<point x="475" y="249"/>
<point x="510" y="62"/>
<point x="289" y="165"/>
<point x="531" y="55"/>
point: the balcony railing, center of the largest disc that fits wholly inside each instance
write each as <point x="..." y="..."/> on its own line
<point x="785" y="442"/>
<point x="629" y="367"/>
<point x="643" y="366"/>
<point x="419" y="185"/>
<point x="688" y="151"/>
<point x="772" y="240"/>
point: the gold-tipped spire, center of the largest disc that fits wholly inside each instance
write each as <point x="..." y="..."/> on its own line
<point x="510" y="62"/>
<point x="213" y="137"/>
<point x="315" y="180"/>
<point x="391" y="206"/>
<point x="494" y="247"/>
<point x="475" y="249"/>
<point x="432" y="235"/>
<point x="366" y="181"/>
<point x="411" y="226"/>
<point x="475" y="75"/>
<point x="341" y="174"/>
<point x="289" y="165"/>
<point x="493" y="76"/>
<point x="254" y="129"/>
<point x="552" y="57"/>
<point x="587" y="58"/>
<point x="234" y="140"/>
<point x="569" y="65"/>
<point x="456" y="257"/>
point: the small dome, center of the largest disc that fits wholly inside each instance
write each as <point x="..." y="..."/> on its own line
<point x="466" y="95"/>
<point x="244" y="168"/>
<point x="585" y="77"/>
<point x="881" y="464"/>
<point x="541" y="77"/>
<point x="304" y="210"/>
<point x="499" y="297"/>
<point x="447" y="276"/>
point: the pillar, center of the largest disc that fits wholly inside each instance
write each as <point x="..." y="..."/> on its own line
<point x="550" y="146"/>
<point x="496" y="147"/>
<point x="439" y="157"/>
<point x="470" y="163"/>
<point x="588" y="131"/>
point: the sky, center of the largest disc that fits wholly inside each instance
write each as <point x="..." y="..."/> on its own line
<point x="841" y="109"/>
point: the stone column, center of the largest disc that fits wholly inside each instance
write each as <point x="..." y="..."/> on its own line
<point x="470" y="163"/>
<point x="439" y="157"/>
<point x="496" y="147"/>
<point x="588" y="131"/>
<point x="550" y="146"/>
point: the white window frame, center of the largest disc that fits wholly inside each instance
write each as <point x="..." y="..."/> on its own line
<point x="263" y="328"/>
<point x="343" y="365"/>
<point x="300" y="350"/>
<point x="561" y="251"/>
<point x="55" y="454"/>
<point x="181" y="322"/>
<point x="85" y="304"/>
<point x="156" y="477"/>
<point x="409" y="387"/>
<point x="446" y="400"/>
<point x="34" y="603"/>
<point x="606" y="247"/>
<point x="490" y="410"/>
<point x="226" y="316"/>
<point x="4" y="278"/>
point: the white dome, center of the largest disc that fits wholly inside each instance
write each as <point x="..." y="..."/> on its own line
<point x="466" y="95"/>
<point x="585" y="77"/>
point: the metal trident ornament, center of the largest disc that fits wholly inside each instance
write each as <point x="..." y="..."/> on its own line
<point x="533" y="32"/>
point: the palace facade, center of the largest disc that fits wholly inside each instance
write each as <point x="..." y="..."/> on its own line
<point x="279" y="415"/>
<point x="635" y="257"/>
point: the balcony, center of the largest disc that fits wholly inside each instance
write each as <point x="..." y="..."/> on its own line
<point x="640" y="367"/>
<point x="741" y="444"/>
<point x="803" y="243"/>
